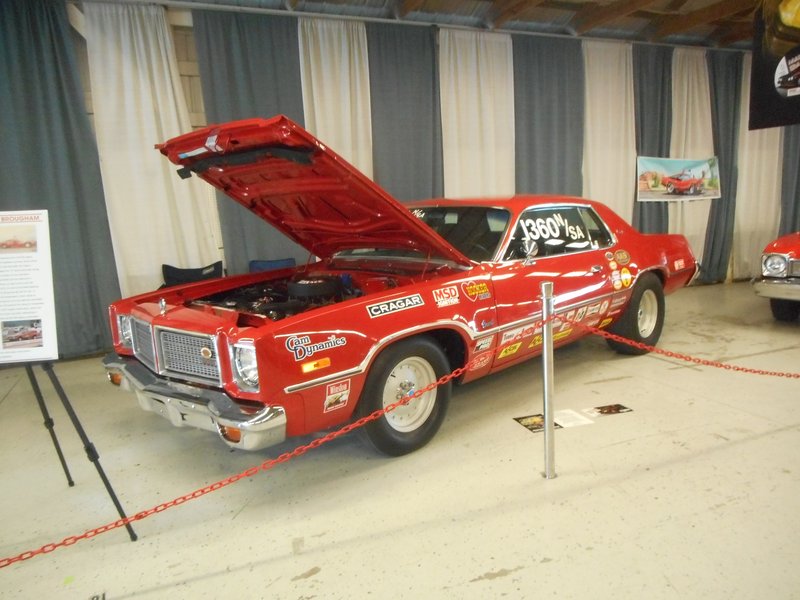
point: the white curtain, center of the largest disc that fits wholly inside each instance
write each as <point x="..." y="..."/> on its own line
<point x="758" y="193"/>
<point x="609" y="143"/>
<point x="477" y="103"/>
<point x="155" y="216"/>
<point x="334" y="72"/>
<point x="692" y="137"/>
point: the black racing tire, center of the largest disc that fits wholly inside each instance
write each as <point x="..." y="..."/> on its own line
<point x="784" y="310"/>
<point x="670" y="188"/>
<point x="643" y="319"/>
<point x="403" y="367"/>
<point x="692" y="190"/>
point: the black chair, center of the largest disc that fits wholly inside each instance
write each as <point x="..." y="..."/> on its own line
<point x="177" y="276"/>
<point x="256" y="266"/>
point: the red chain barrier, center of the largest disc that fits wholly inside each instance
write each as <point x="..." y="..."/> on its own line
<point x="265" y="466"/>
<point x="685" y="357"/>
<point x="300" y="450"/>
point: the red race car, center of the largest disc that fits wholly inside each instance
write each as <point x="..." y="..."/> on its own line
<point x="683" y="183"/>
<point x="780" y="277"/>
<point x="394" y="297"/>
<point x="15" y="243"/>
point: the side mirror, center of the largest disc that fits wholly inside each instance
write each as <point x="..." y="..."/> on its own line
<point x="531" y="248"/>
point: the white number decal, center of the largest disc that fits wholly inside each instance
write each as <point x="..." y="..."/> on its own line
<point x="555" y="226"/>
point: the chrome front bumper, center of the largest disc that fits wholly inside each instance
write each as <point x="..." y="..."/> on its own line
<point x="782" y="289"/>
<point x="192" y="406"/>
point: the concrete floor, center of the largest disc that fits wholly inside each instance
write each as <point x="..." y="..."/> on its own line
<point x="693" y="494"/>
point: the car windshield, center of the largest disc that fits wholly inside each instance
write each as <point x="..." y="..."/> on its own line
<point x="475" y="231"/>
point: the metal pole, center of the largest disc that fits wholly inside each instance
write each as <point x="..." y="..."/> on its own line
<point x="548" y="308"/>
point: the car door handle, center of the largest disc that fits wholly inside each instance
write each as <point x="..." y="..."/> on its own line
<point x="597" y="268"/>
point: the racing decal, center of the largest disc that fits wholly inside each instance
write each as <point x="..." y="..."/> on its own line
<point x="480" y="361"/>
<point x="623" y="257"/>
<point x="609" y="256"/>
<point x="605" y="322"/>
<point x="679" y="264"/>
<point x="613" y="265"/>
<point x="512" y="349"/>
<point x="392" y="306"/>
<point x="446" y="296"/>
<point x="483" y="344"/>
<point x="519" y="332"/>
<point x="476" y="290"/>
<point x="618" y="301"/>
<point x="302" y="347"/>
<point x="555" y="226"/>
<point x="616" y="280"/>
<point x="336" y="395"/>
<point x="538" y="340"/>
<point x="626" y="277"/>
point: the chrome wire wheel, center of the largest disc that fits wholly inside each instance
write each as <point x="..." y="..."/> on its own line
<point x="409" y="375"/>
<point x="647" y="315"/>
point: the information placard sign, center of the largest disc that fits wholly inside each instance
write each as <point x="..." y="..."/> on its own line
<point x="27" y="306"/>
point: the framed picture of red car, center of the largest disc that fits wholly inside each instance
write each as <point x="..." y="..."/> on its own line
<point x="670" y="179"/>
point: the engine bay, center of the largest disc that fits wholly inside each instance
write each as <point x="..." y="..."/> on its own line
<point x="283" y="297"/>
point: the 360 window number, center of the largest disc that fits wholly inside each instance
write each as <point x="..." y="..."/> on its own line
<point x="550" y="227"/>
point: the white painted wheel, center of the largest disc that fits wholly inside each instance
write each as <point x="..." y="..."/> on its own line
<point x="401" y="369"/>
<point x="647" y="315"/>
<point x="411" y="374"/>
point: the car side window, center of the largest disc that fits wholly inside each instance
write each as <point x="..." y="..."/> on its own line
<point x="553" y="231"/>
<point x="599" y="234"/>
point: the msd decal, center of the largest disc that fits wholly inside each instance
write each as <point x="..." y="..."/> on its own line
<point x="393" y="306"/>
<point x="446" y="296"/>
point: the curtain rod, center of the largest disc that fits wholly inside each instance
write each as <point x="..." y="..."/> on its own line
<point x="254" y="10"/>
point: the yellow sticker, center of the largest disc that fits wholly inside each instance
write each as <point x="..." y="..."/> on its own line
<point x="512" y="349"/>
<point x="626" y="277"/>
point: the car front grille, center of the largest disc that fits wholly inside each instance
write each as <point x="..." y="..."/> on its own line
<point x="189" y="354"/>
<point x="794" y="268"/>
<point x="170" y="352"/>
<point x="143" y="343"/>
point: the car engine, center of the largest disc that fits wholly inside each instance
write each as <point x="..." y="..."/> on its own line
<point x="277" y="299"/>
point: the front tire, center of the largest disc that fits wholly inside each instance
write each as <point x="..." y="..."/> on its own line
<point x="401" y="369"/>
<point x="643" y="320"/>
<point x="784" y="310"/>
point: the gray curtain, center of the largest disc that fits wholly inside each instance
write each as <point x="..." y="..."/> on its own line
<point x="249" y="67"/>
<point x="49" y="161"/>
<point x="652" y="92"/>
<point x="406" y="121"/>
<point x="790" y="190"/>
<point x="725" y="81"/>
<point x="548" y="110"/>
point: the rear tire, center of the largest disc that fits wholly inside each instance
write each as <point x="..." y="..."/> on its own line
<point x="784" y="310"/>
<point x="401" y="369"/>
<point x="643" y="319"/>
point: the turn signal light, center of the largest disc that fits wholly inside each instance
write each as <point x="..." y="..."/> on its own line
<point x="231" y="434"/>
<point x="115" y="377"/>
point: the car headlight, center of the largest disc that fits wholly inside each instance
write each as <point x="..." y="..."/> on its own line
<point x="125" y="328"/>
<point x="774" y="265"/>
<point x="245" y="365"/>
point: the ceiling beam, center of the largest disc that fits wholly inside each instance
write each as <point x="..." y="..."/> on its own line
<point x="508" y="10"/>
<point x="408" y="6"/>
<point x="594" y="15"/>
<point x="733" y="33"/>
<point x="669" y="25"/>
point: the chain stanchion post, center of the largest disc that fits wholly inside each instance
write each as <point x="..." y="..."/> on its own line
<point x="548" y="309"/>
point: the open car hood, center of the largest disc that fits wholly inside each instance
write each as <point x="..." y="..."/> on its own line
<point x="286" y="176"/>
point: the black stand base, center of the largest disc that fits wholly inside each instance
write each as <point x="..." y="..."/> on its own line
<point x="91" y="452"/>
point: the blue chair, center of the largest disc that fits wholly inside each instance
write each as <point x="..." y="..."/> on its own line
<point x="256" y="266"/>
